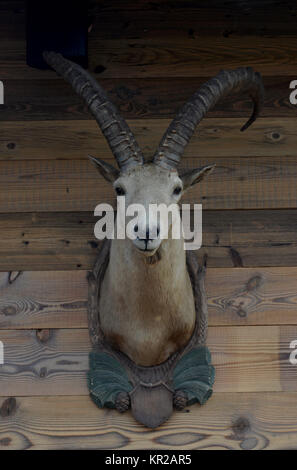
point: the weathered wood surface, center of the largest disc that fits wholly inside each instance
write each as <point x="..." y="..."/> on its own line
<point x="66" y="240"/>
<point x="236" y="18"/>
<point x="250" y="11"/>
<point x="30" y="100"/>
<point x="192" y="19"/>
<point x="228" y="421"/>
<point x="61" y="241"/>
<point x="238" y="297"/>
<point x="147" y="18"/>
<point x="55" y="362"/>
<point x="46" y="299"/>
<point x="166" y="57"/>
<point x="70" y="185"/>
<point x="267" y="41"/>
<point x="184" y="57"/>
<point x="56" y="140"/>
<point x="151" y="59"/>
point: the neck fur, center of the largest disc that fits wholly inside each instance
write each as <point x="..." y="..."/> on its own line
<point x="170" y="258"/>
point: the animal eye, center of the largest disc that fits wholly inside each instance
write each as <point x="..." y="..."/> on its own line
<point x="177" y="190"/>
<point x="120" y="191"/>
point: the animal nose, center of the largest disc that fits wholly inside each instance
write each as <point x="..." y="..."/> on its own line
<point x="147" y="233"/>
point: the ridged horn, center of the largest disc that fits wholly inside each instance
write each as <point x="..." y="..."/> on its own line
<point x="115" y="129"/>
<point x="181" y="129"/>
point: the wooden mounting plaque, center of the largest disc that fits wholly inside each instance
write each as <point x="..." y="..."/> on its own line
<point x="116" y="381"/>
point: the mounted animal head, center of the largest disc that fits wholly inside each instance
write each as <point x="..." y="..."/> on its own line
<point x="158" y="181"/>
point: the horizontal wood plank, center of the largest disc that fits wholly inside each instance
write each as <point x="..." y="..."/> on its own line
<point x="185" y="57"/>
<point x="183" y="40"/>
<point x="150" y="60"/>
<point x="167" y="57"/>
<point x="192" y="19"/>
<point x="51" y="361"/>
<point x="227" y="421"/>
<point x="70" y="185"/>
<point x="56" y="140"/>
<point x="167" y="17"/>
<point x="65" y="240"/>
<point x="27" y="100"/>
<point x="48" y="299"/>
<point x="238" y="297"/>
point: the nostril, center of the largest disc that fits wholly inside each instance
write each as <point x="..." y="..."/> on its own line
<point x="158" y="231"/>
<point x="135" y="228"/>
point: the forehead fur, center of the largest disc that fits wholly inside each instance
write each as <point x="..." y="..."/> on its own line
<point x="149" y="172"/>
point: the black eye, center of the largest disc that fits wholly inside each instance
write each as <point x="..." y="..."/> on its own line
<point x="120" y="191"/>
<point x="177" y="191"/>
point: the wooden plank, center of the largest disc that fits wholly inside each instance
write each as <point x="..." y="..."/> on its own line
<point x="228" y="421"/>
<point x="192" y="39"/>
<point x="177" y="19"/>
<point x="65" y="240"/>
<point x="51" y="361"/>
<point x="55" y="140"/>
<point x="184" y="57"/>
<point x="222" y="8"/>
<point x="167" y="17"/>
<point x="167" y="57"/>
<point x="70" y="185"/>
<point x="236" y="297"/>
<point x="251" y="296"/>
<point x="48" y="241"/>
<point x="47" y="299"/>
<point x="27" y="100"/>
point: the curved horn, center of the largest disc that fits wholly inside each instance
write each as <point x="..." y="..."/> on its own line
<point x="115" y="129"/>
<point x="182" y="127"/>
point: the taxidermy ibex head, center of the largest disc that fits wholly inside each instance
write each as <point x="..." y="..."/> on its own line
<point x="146" y="296"/>
<point x="146" y="305"/>
<point x="158" y="181"/>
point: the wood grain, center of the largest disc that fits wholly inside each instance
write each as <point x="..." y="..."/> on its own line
<point x="167" y="57"/>
<point x="192" y="19"/>
<point x="228" y="421"/>
<point x="236" y="297"/>
<point x="47" y="299"/>
<point x="145" y="98"/>
<point x="185" y="57"/>
<point x="166" y="17"/>
<point x="56" y="140"/>
<point x="150" y="56"/>
<point x="60" y="241"/>
<point x="70" y="185"/>
<point x="52" y="361"/>
<point x="250" y="296"/>
<point x="186" y="44"/>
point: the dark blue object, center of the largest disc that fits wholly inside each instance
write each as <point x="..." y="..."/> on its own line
<point x="59" y="26"/>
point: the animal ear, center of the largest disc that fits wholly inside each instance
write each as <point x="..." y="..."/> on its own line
<point x="191" y="177"/>
<point x="109" y="172"/>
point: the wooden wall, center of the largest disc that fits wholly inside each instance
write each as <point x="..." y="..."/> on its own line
<point x="150" y="56"/>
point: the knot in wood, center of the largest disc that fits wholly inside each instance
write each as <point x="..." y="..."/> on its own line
<point x="8" y="407"/>
<point x="43" y="335"/>
<point x="240" y="427"/>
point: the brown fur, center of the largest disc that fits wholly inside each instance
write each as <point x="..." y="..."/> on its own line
<point x="147" y="305"/>
<point x="143" y="316"/>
